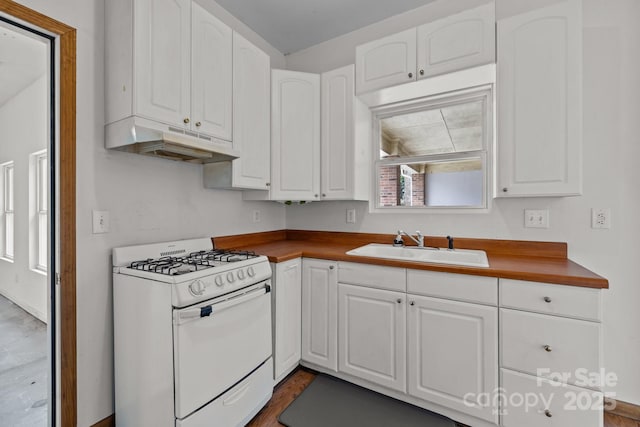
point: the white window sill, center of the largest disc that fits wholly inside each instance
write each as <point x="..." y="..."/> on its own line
<point x="7" y="259"/>
<point x="40" y="271"/>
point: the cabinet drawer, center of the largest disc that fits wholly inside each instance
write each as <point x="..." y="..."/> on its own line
<point x="562" y="300"/>
<point x="374" y="276"/>
<point x="532" y="342"/>
<point x="548" y="404"/>
<point x="462" y="287"/>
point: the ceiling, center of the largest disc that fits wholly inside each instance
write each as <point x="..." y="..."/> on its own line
<point x="23" y="59"/>
<point x="452" y="129"/>
<point x="293" y="25"/>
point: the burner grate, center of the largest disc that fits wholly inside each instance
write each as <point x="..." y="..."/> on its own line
<point x="195" y="261"/>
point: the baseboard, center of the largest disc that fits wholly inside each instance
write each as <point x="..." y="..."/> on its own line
<point x="25" y="306"/>
<point x="110" y="421"/>
<point x="623" y="409"/>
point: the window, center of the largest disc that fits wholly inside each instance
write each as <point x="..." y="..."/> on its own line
<point x="7" y="211"/>
<point x="433" y="153"/>
<point x="41" y="209"/>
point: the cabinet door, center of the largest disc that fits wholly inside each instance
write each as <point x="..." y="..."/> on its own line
<point x="295" y="137"/>
<point x="372" y="335"/>
<point x="453" y="353"/>
<point x="456" y="42"/>
<point x="320" y="313"/>
<point x="287" y="294"/>
<point x="386" y="62"/>
<point x="251" y="115"/>
<point x="337" y="149"/>
<point x="162" y="34"/>
<point x="540" y="102"/>
<point x="210" y="75"/>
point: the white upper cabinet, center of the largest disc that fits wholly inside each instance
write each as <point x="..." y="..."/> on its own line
<point x="386" y="62"/>
<point x="449" y="44"/>
<point x="539" y="99"/>
<point x="251" y="115"/>
<point x="346" y="138"/>
<point x="456" y="42"/>
<point x="168" y="61"/>
<point x="295" y="136"/>
<point x="211" y="79"/>
<point x="251" y="123"/>
<point x="162" y="47"/>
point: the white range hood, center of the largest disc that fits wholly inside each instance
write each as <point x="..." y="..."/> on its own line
<point x="142" y="136"/>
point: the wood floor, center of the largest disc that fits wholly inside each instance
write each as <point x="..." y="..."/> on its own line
<point x="294" y="384"/>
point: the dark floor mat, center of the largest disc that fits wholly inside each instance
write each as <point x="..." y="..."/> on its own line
<point x="332" y="402"/>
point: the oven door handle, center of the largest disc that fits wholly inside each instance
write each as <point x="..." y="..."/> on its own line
<point x="190" y="314"/>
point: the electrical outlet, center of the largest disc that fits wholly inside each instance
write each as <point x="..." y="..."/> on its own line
<point x="600" y="218"/>
<point x="100" y="222"/>
<point x="256" y="216"/>
<point x="536" y="218"/>
<point x="351" y="216"/>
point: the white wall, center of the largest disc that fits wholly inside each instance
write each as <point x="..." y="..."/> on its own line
<point x="149" y="199"/>
<point x="611" y="176"/>
<point x="23" y="131"/>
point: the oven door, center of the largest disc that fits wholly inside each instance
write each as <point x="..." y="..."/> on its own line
<point x="219" y="342"/>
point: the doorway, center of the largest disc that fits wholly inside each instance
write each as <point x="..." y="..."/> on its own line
<point x="50" y="207"/>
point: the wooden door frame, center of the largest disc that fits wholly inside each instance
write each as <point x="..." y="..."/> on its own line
<point x="65" y="37"/>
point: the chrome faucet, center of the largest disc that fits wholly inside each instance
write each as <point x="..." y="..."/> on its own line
<point x="419" y="239"/>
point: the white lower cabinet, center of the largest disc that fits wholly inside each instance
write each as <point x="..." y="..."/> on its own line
<point x="320" y="313"/>
<point x="287" y="297"/>
<point x="538" y="402"/>
<point x="453" y="354"/>
<point x="552" y="343"/>
<point x="448" y="342"/>
<point x="372" y="335"/>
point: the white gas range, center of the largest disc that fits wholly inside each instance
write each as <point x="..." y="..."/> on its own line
<point x="192" y="335"/>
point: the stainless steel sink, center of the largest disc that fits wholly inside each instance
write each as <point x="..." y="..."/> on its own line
<point x="464" y="257"/>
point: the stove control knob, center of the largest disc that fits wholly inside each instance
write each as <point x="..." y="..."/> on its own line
<point x="219" y="280"/>
<point x="230" y="277"/>
<point x="241" y="275"/>
<point x="251" y="272"/>
<point x="197" y="288"/>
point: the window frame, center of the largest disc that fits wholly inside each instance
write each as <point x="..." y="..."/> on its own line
<point x="6" y="167"/>
<point x="484" y="93"/>
<point x="41" y="207"/>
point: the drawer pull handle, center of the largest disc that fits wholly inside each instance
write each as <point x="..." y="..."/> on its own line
<point x="548" y="413"/>
<point x="412" y="303"/>
<point x="547" y="348"/>
<point x="547" y="299"/>
<point x="399" y="301"/>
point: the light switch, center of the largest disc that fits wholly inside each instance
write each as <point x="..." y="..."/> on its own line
<point x="100" y="222"/>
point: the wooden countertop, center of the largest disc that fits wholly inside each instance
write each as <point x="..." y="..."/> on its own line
<point x="534" y="261"/>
